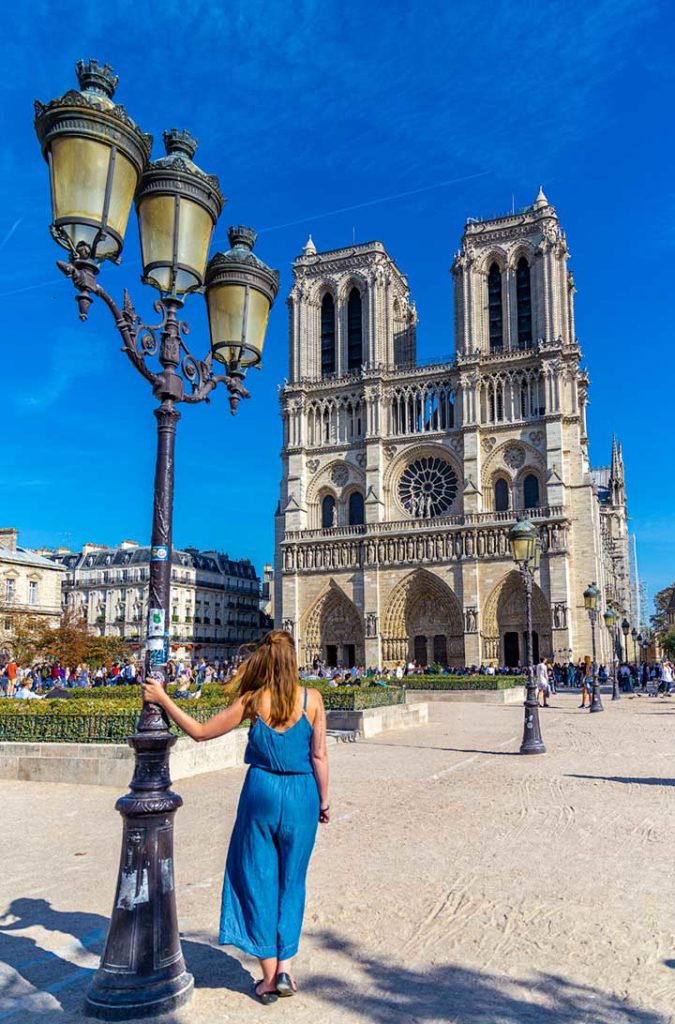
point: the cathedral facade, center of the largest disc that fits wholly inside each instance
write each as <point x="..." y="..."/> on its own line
<point x="400" y="481"/>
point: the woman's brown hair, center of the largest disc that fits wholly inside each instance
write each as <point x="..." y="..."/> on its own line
<point x="273" y="666"/>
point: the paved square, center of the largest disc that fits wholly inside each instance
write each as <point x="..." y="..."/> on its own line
<point x="458" y="882"/>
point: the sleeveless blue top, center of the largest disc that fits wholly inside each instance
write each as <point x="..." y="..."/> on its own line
<point x="285" y="753"/>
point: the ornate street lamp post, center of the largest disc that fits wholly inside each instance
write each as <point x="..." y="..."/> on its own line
<point x="98" y="164"/>
<point x="634" y="638"/>
<point x="625" y="629"/>
<point x="526" y="553"/>
<point x="591" y="595"/>
<point x="610" y="622"/>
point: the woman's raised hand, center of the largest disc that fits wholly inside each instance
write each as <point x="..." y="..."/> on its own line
<point x="153" y="692"/>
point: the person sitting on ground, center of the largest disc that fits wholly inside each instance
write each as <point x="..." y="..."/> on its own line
<point x="25" y="691"/>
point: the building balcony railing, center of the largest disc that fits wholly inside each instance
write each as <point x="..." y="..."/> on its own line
<point x="434" y="523"/>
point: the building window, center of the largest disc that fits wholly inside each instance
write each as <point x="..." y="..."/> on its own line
<point x="327" y="335"/>
<point x="328" y="512"/>
<point x="524" y="303"/>
<point x="356" y="510"/>
<point x="354" y="330"/>
<point x="495" y="315"/>
<point x="10" y="589"/>
<point x="501" y="496"/>
<point x="32" y="592"/>
<point x="530" y="491"/>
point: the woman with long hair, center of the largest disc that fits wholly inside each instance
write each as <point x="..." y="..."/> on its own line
<point x="284" y="797"/>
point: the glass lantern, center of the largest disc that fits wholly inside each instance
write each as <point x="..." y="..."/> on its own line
<point x="177" y="206"/>
<point x="523" y="541"/>
<point x="96" y="155"/>
<point x="240" y="291"/>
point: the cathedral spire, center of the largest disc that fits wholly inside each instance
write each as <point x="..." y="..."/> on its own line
<point x="309" y="247"/>
<point x="541" y="200"/>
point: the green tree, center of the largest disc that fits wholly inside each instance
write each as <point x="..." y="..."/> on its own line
<point x="24" y="634"/>
<point x="668" y="643"/>
<point x="659" y="619"/>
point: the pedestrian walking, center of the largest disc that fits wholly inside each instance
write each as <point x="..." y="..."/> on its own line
<point x="284" y="797"/>
<point x="587" y="679"/>
<point x="543" y="685"/>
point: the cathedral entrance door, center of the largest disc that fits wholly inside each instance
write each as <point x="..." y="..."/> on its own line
<point x="331" y="655"/>
<point x="441" y="650"/>
<point x="349" y="655"/>
<point x="511" y="650"/>
<point x="535" y="646"/>
<point x="420" y="649"/>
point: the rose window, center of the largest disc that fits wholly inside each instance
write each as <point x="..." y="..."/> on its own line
<point x="428" y="487"/>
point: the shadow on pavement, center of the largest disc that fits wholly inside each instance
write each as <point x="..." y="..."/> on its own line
<point x="452" y="750"/>
<point x="43" y="981"/>
<point x="388" y="993"/>
<point x="626" y="779"/>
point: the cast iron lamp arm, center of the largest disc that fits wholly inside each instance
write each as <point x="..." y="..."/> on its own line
<point x="165" y="339"/>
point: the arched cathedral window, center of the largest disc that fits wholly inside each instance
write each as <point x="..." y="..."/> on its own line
<point x="530" y="491"/>
<point x="524" y="303"/>
<point x="328" y="512"/>
<point x="327" y="335"/>
<point x="501" y="495"/>
<point x="495" y="315"/>
<point x="356" y="510"/>
<point x="354" y="330"/>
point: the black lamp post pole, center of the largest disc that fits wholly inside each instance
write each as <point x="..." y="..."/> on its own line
<point x="596" y="702"/>
<point x="616" y="695"/>
<point x="142" y="971"/>
<point x="532" y="741"/>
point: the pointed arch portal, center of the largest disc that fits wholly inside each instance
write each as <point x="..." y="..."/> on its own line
<point x="423" y="621"/>
<point x="334" y="630"/>
<point x="505" y="623"/>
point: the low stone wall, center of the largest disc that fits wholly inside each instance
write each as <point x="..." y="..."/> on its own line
<point x="514" y="695"/>
<point x="372" y="721"/>
<point x="112" y="764"/>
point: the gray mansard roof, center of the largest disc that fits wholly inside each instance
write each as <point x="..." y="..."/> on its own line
<point x="206" y="561"/>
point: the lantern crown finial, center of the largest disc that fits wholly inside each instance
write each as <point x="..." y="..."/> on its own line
<point x="241" y="236"/>
<point x="95" y="77"/>
<point x="179" y="142"/>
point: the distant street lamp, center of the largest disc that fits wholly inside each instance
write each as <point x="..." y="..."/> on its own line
<point x="526" y="553"/>
<point x="591" y="595"/>
<point x="610" y="622"/>
<point x="625" y="629"/>
<point x="98" y="164"/>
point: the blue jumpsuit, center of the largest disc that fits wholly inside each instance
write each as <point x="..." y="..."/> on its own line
<point x="272" y="841"/>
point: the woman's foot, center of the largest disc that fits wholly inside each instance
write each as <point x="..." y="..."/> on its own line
<point x="286" y="985"/>
<point x="266" y="991"/>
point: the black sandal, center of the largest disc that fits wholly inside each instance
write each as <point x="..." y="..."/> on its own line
<point x="285" y="985"/>
<point x="265" y="997"/>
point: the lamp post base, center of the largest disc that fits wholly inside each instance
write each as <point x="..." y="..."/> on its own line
<point x="532" y="741"/>
<point x="156" y="999"/>
<point x="596" y="703"/>
<point x="142" y="971"/>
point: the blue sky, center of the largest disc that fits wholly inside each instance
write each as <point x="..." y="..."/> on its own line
<point x="303" y="110"/>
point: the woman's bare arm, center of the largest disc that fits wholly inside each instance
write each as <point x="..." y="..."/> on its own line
<point x="219" y="725"/>
<point x="319" y="750"/>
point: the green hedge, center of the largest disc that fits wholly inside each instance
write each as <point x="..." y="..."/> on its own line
<point x="95" y="720"/>
<point x="462" y="682"/>
<point x="355" y="698"/>
<point x="61" y="722"/>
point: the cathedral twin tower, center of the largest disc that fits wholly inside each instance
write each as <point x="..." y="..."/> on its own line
<point x="400" y="482"/>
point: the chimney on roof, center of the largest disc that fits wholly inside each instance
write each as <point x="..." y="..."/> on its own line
<point x="9" y="537"/>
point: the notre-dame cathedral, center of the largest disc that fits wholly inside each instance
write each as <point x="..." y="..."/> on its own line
<point x="401" y="481"/>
